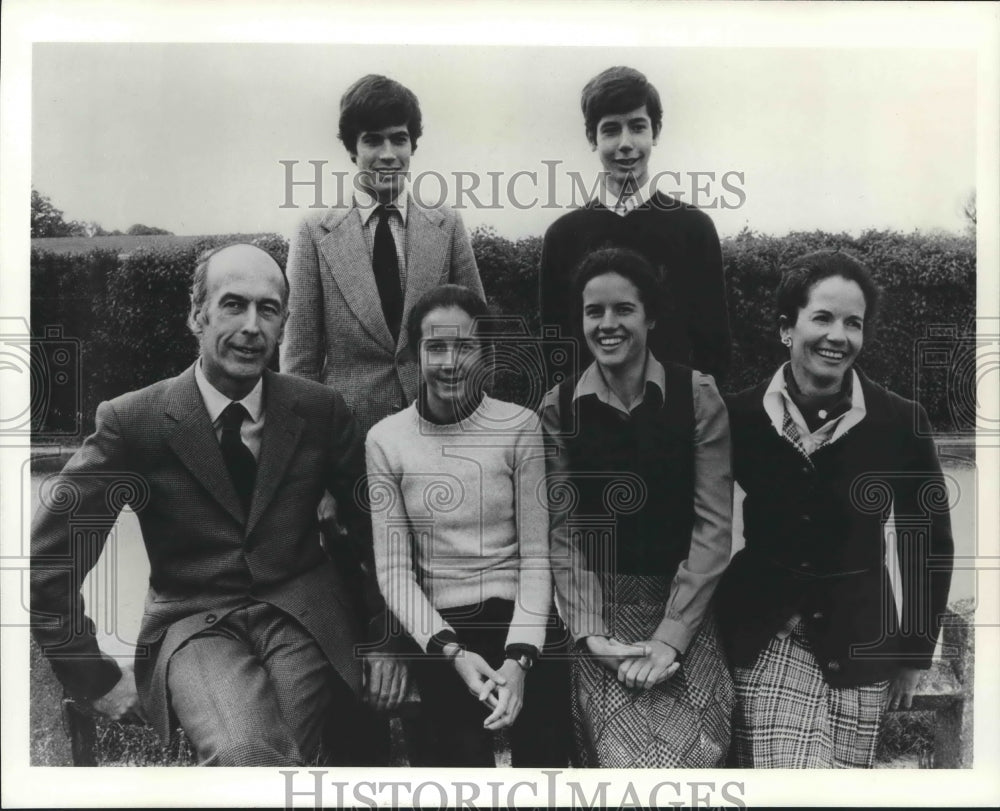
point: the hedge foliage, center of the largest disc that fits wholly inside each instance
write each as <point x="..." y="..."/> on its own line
<point x="129" y="311"/>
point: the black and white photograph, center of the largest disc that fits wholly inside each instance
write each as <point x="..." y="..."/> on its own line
<point x="500" y="404"/>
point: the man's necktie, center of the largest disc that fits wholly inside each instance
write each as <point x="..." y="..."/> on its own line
<point x="386" y="268"/>
<point x="238" y="457"/>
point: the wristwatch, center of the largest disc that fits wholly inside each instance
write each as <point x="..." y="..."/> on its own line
<point x="524" y="655"/>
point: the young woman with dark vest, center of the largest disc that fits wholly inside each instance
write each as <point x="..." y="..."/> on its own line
<point x="824" y="629"/>
<point x="640" y="502"/>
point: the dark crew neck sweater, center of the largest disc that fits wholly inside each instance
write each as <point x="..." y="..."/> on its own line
<point x="681" y="243"/>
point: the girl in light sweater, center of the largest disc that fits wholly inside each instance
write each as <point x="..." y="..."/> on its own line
<point x="460" y="522"/>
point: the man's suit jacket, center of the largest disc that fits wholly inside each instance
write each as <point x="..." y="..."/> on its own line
<point x="336" y="332"/>
<point x="157" y="450"/>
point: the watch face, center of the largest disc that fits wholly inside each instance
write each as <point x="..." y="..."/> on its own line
<point x="525" y="662"/>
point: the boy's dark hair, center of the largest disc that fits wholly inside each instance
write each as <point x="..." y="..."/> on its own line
<point x="807" y="271"/>
<point x="626" y="263"/>
<point x="374" y="102"/>
<point x="619" y="90"/>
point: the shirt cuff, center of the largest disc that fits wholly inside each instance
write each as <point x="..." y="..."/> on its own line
<point x="589" y="625"/>
<point x="436" y="644"/>
<point x="674" y="633"/>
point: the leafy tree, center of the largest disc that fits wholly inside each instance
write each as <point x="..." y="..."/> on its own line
<point x="140" y="230"/>
<point x="47" y="220"/>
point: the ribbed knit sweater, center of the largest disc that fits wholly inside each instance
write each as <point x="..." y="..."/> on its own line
<point x="460" y="515"/>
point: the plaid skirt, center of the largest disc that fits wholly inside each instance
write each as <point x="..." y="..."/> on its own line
<point x="788" y="717"/>
<point x="683" y="722"/>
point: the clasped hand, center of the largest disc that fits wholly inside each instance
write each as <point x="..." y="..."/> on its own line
<point x="501" y="690"/>
<point x="641" y="665"/>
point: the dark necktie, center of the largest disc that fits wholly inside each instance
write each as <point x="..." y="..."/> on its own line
<point x="386" y="268"/>
<point x="238" y="457"/>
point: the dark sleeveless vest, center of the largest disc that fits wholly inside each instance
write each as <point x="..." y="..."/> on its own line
<point x="634" y="477"/>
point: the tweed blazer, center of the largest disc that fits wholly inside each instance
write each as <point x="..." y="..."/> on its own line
<point x="336" y="332"/>
<point x="156" y="450"/>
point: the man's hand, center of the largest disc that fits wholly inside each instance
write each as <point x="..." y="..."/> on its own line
<point x="509" y="697"/>
<point x="902" y="688"/>
<point x="659" y="664"/>
<point x="387" y="681"/>
<point x="611" y="653"/>
<point x="121" y="700"/>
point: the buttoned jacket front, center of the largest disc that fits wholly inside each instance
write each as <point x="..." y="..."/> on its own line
<point x="815" y="546"/>
<point x="156" y="450"/>
<point x="336" y="331"/>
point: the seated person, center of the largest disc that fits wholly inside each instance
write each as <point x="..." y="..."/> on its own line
<point x="247" y="640"/>
<point x="461" y="546"/>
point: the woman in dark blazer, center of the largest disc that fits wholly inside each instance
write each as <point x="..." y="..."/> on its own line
<point x="826" y="620"/>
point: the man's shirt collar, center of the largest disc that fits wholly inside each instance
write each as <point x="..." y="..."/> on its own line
<point x="366" y="204"/>
<point x="215" y="401"/>
<point x="612" y="201"/>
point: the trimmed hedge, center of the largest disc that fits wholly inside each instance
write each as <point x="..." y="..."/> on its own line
<point x="926" y="281"/>
<point x="129" y="311"/>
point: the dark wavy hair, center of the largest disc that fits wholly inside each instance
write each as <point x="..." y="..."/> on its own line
<point x="615" y="91"/>
<point x="447" y="295"/>
<point x="626" y="263"/>
<point x="799" y="278"/>
<point x="374" y="102"/>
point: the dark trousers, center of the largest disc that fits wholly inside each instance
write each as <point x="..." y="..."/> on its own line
<point x="452" y="732"/>
<point x="256" y="690"/>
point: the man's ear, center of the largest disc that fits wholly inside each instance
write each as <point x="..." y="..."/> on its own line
<point x="284" y="320"/>
<point x="194" y="321"/>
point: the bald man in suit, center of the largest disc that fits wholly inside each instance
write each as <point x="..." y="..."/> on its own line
<point x="249" y="632"/>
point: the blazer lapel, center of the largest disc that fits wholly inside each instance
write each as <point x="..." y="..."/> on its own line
<point x="282" y="429"/>
<point x="346" y="254"/>
<point x="196" y="445"/>
<point x="426" y="252"/>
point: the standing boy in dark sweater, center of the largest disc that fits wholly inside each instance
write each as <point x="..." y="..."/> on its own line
<point x="623" y="116"/>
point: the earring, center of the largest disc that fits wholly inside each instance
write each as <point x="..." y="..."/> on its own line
<point x="786" y="341"/>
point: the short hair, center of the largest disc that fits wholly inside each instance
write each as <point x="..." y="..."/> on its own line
<point x="615" y="91"/>
<point x="804" y="273"/>
<point x="442" y="297"/>
<point x="626" y="263"/>
<point x="199" y="279"/>
<point x="375" y="102"/>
